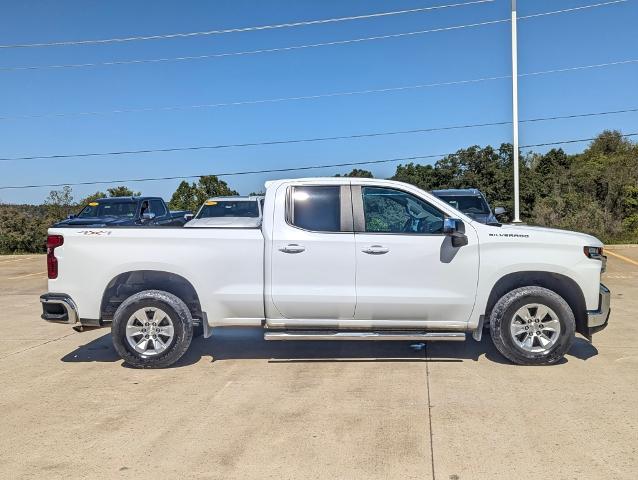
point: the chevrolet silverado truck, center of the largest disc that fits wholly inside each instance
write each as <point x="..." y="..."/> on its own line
<point x="334" y="259"/>
<point x="125" y="211"/>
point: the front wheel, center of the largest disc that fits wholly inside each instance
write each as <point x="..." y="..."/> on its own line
<point x="532" y="326"/>
<point x="152" y="329"/>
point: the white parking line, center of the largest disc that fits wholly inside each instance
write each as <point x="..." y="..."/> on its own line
<point x="27" y="275"/>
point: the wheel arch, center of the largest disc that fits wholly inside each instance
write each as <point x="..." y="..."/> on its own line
<point x="123" y="285"/>
<point x="562" y="285"/>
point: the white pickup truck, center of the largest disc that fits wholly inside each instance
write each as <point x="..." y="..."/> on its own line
<point x="334" y="259"/>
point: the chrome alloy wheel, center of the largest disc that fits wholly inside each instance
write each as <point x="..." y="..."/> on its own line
<point x="149" y="331"/>
<point x="535" y="328"/>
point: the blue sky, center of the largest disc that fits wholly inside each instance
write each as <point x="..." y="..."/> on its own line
<point x="586" y="37"/>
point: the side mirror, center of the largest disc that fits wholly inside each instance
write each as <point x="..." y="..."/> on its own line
<point x="70" y="217"/>
<point x="455" y="228"/>
<point x="148" y="216"/>
<point x="499" y="211"/>
<point x="188" y="217"/>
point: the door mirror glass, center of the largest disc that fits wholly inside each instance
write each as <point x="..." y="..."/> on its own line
<point x="148" y="216"/>
<point x="455" y="228"/>
<point x="499" y="211"/>
<point x="450" y="226"/>
<point x="188" y="217"/>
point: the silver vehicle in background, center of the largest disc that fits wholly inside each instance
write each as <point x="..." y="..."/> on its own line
<point x="229" y="212"/>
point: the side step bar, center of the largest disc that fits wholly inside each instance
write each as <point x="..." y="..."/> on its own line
<point x="350" y="336"/>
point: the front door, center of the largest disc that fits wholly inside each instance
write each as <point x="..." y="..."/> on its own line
<point x="407" y="269"/>
<point x="312" y="255"/>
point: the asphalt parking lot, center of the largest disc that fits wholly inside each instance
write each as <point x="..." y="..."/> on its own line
<point x="239" y="407"/>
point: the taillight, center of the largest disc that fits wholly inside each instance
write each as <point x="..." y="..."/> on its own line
<point x="53" y="241"/>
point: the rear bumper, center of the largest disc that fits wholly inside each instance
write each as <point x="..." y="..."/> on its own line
<point x="598" y="319"/>
<point x="58" y="308"/>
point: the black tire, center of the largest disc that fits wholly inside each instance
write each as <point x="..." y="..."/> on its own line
<point x="179" y="315"/>
<point x="503" y="315"/>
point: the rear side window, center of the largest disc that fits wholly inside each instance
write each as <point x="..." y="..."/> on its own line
<point x="316" y="208"/>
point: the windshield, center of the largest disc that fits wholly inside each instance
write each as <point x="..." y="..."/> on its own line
<point x="468" y="204"/>
<point x="108" y="209"/>
<point x="229" y="208"/>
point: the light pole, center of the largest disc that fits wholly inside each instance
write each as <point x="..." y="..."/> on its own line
<point x="517" y="216"/>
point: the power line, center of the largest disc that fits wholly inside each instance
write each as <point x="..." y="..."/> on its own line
<point x="304" y="140"/>
<point x="249" y="52"/>
<point x="313" y="97"/>
<point x="280" y="170"/>
<point x="582" y="67"/>
<point x="243" y="29"/>
<point x="299" y="47"/>
<point x="258" y="101"/>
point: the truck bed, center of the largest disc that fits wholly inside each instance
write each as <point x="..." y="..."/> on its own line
<point x="225" y="266"/>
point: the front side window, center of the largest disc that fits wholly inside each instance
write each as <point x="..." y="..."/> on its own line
<point x="387" y="210"/>
<point x="158" y="208"/>
<point x="316" y="208"/>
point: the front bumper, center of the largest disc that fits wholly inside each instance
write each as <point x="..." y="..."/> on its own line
<point x="58" y="308"/>
<point x="598" y="319"/>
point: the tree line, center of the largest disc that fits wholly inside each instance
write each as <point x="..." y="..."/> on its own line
<point x="595" y="191"/>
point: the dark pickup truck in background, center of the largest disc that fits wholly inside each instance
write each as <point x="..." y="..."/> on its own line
<point x="125" y="211"/>
<point x="472" y="203"/>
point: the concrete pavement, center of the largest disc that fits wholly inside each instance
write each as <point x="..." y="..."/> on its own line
<point x="239" y="407"/>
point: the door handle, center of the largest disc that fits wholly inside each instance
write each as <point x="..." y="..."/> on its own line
<point x="376" y="250"/>
<point x="292" y="248"/>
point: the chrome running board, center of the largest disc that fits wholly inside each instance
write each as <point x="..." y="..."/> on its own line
<point x="354" y="335"/>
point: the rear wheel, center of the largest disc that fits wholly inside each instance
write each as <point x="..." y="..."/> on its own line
<point x="532" y="326"/>
<point x="152" y="329"/>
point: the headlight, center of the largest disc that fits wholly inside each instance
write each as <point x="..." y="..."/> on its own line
<point x="594" y="252"/>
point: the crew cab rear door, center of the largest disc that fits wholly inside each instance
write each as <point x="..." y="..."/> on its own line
<point x="312" y="258"/>
<point x="407" y="269"/>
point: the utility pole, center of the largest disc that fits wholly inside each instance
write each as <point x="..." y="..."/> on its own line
<point x="517" y="216"/>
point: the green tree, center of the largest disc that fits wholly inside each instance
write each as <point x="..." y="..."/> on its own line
<point x="422" y="176"/>
<point x="23" y="229"/>
<point x="185" y="197"/>
<point x="91" y="198"/>
<point x="357" y="172"/>
<point x="59" y="203"/>
<point x="190" y="196"/>
<point x="122" y="191"/>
